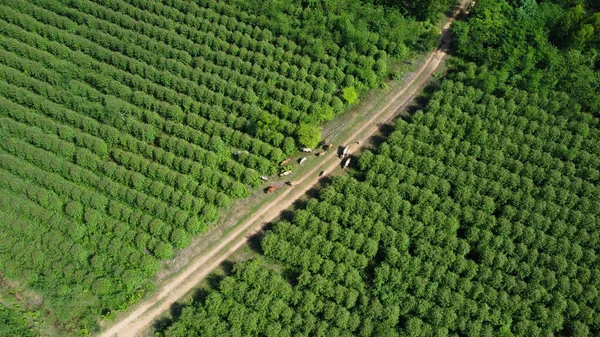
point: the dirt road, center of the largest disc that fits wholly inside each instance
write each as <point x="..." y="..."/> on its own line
<point x="146" y="312"/>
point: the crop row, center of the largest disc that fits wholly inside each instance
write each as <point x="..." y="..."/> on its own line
<point x="137" y="128"/>
<point x="128" y="83"/>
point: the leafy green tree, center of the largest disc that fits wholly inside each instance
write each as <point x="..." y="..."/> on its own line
<point x="12" y="324"/>
<point x="325" y="114"/>
<point x="350" y="95"/>
<point x="102" y="286"/>
<point x="163" y="250"/>
<point x="179" y="238"/>
<point x="308" y="135"/>
<point x="74" y="209"/>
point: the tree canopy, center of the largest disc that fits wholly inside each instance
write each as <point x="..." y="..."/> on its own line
<point x="309" y="135"/>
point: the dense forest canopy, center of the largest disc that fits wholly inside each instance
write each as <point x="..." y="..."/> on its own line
<point x="420" y="9"/>
<point x="13" y="324"/>
<point x="324" y="27"/>
<point x="552" y="45"/>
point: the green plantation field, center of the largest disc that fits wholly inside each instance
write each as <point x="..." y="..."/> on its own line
<point x="478" y="217"/>
<point x="126" y="126"/>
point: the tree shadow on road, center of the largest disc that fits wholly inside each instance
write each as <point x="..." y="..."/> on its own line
<point x="164" y="322"/>
<point x="199" y="296"/>
<point x="418" y="103"/>
<point x="286" y="215"/>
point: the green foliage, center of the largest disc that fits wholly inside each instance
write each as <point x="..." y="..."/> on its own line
<point x="11" y="324"/>
<point x="102" y="286"/>
<point x="289" y="146"/>
<point x="427" y="9"/>
<point x="350" y="95"/>
<point x="344" y="26"/>
<point x="477" y="217"/>
<point x="163" y="250"/>
<point x="505" y="332"/>
<point x="180" y="238"/>
<point x="216" y="144"/>
<point x="309" y="135"/>
<point x="74" y="210"/>
<point x="126" y="127"/>
<point x="477" y="206"/>
<point x="545" y="47"/>
<point x="325" y="114"/>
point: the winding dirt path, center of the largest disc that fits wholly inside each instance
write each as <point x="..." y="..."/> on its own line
<point x="146" y="312"/>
